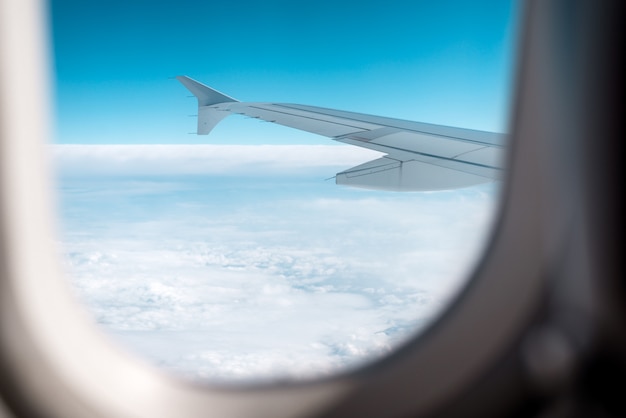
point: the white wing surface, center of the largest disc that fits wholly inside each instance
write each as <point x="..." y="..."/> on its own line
<point x="419" y="156"/>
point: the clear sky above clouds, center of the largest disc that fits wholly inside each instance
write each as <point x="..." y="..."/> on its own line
<point x="447" y="62"/>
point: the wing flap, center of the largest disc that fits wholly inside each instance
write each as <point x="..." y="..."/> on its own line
<point x="487" y="156"/>
<point x="387" y="174"/>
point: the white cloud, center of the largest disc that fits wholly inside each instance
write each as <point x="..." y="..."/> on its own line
<point x="236" y="280"/>
<point x="81" y="159"/>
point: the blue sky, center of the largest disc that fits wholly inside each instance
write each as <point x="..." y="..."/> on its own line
<point x="443" y="62"/>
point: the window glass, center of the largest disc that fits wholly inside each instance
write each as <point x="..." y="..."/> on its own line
<point x="235" y="257"/>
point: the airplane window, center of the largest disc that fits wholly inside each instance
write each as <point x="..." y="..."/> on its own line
<point x="302" y="237"/>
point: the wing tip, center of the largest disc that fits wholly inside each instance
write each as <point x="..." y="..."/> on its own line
<point x="206" y="95"/>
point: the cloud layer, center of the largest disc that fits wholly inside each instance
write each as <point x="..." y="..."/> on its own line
<point x="81" y="160"/>
<point x="267" y="275"/>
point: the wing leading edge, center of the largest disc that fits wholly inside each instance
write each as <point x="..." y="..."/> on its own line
<point x="419" y="156"/>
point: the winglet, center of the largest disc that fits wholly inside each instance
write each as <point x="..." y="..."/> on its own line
<point x="208" y="117"/>
<point x="205" y="94"/>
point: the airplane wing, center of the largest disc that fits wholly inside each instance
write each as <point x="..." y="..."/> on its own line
<point x="419" y="156"/>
